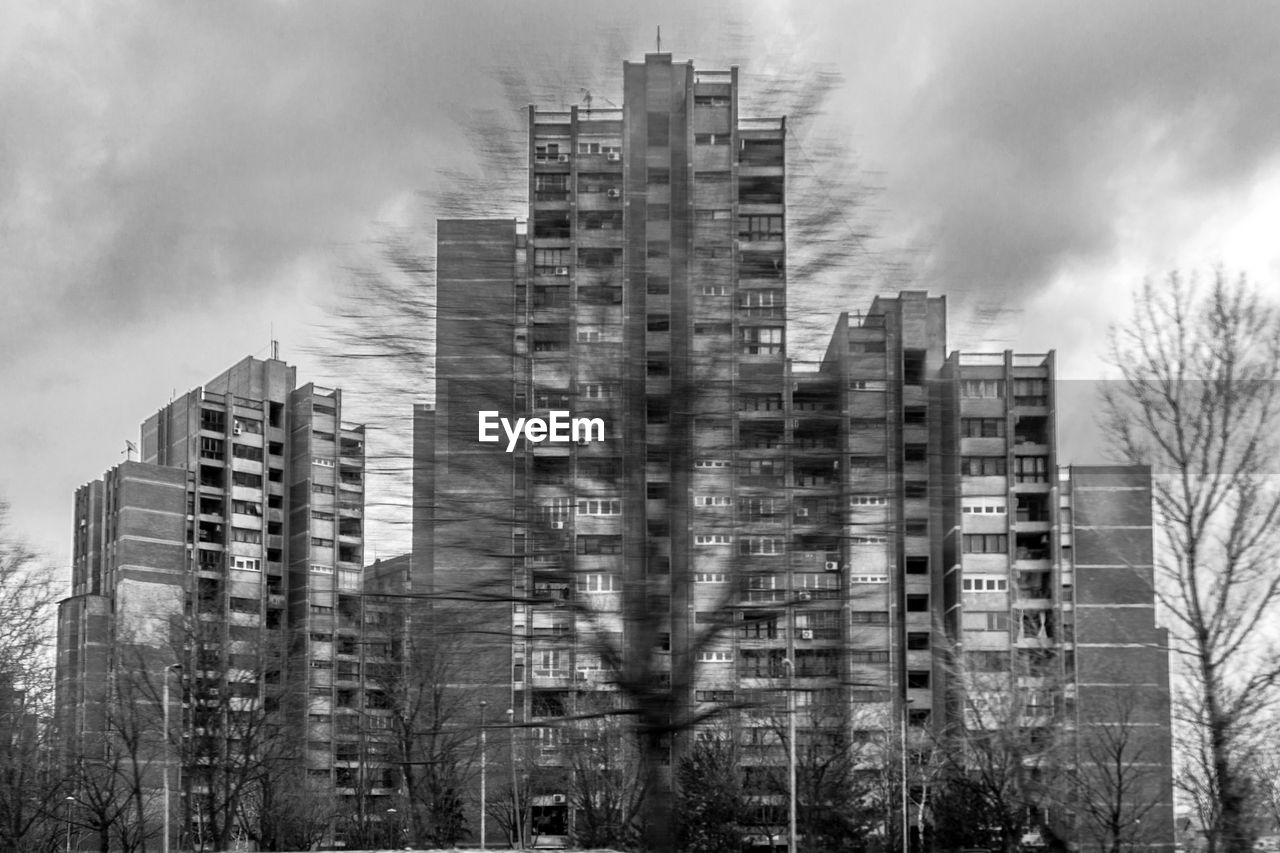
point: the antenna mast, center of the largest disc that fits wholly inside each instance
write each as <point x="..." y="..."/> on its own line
<point x="659" y="50"/>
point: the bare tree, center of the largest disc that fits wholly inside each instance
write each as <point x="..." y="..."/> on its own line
<point x="606" y="793"/>
<point x="434" y="747"/>
<point x="715" y="805"/>
<point x="1117" y="775"/>
<point x="31" y="791"/>
<point x="1005" y="752"/>
<point x="1198" y="401"/>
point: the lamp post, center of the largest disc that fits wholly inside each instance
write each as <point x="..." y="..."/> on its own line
<point x="69" y="801"/>
<point x="483" y="792"/>
<point x="391" y="838"/>
<point x="517" y="821"/>
<point x="791" y="754"/>
<point x="164" y="700"/>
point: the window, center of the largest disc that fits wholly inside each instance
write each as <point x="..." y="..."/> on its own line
<point x="760" y="402"/>
<point x="917" y="603"/>
<point x="711" y="214"/>
<point x="600" y="146"/>
<point x="596" y="582"/>
<point x="983" y="506"/>
<point x="247" y="508"/>
<point x="711" y="539"/>
<point x="982" y="427"/>
<point x="983" y="466"/>
<point x="1030" y="392"/>
<point x="869" y="617"/>
<point x="762" y="340"/>
<point x="318" y="569"/>
<point x="599" y="545"/>
<point x="658" y="323"/>
<point x="606" y="506"/>
<point x="1031" y="469"/>
<point x="552" y="187"/>
<point x="713" y="695"/>
<point x="658" y="249"/>
<point x="869" y="656"/>
<point x="915" y="452"/>
<point x="915" y="415"/>
<point x="321" y="542"/>
<point x="213" y="420"/>
<point x="710" y="463"/>
<point x="710" y="577"/>
<point x="251" y="564"/>
<point x="913" y="366"/>
<point x="762" y="303"/>
<point x="322" y="462"/>
<point x="752" y="545"/>
<point x="917" y="640"/>
<point x="867" y="500"/>
<point x="549" y="261"/>
<point x="657" y="284"/>
<point x="917" y="565"/>
<point x="986" y="388"/>
<point x="243" y="478"/>
<point x="712" y="500"/>
<point x="868" y="579"/>
<point x="980" y="583"/>
<point x="715" y="657"/>
<point x="915" y="489"/>
<point x="986" y="543"/>
<point x="239" y="534"/>
<point x="711" y="139"/>
<point x="548" y="152"/>
<point x="751" y="228"/>
<point x="211" y="448"/>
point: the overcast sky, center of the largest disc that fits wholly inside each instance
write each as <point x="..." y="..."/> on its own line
<point x="179" y="181"/>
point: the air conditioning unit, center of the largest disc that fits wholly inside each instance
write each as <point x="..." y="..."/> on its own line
<point x="238" y="428"/>
<point x="806" y="633"/>
<point x="613" y="157"/>
<point x="562" y="270"/>
<point x="558" y="799"/>
<point x="557" y="525"/>
<point x="563" y="158"/>
<point x="832" y="566"/>
<point x="614" y="193"/>
<point x="802" y="512"/>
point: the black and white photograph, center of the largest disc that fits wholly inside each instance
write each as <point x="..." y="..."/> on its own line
<point x="717" y="427"/>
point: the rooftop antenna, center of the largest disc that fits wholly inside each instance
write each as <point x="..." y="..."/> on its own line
<point x="129" y="449"/>
<point x="659" y="50"/>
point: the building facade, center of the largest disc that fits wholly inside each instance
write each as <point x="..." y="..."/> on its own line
<point x="223" y="571"/>
<point x="872" y="542"/>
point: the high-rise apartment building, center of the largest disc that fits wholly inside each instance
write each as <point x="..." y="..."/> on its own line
<point x="224" y="570"/>
<point x="877" y="536"/>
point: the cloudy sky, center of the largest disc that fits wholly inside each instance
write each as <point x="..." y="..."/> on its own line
<point x="181" y="181"/>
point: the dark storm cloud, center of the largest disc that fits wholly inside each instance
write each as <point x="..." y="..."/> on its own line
<point x="1036" y="126"/>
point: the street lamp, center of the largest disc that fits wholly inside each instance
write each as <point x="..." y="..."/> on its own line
<point x="483" y="792"/>
<point x="69" y="801"/>
<point x="791" y="754"/>
<point x="173" y="667"/>
<point x="517" y="821"/>
<point x="391" y="838"/>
